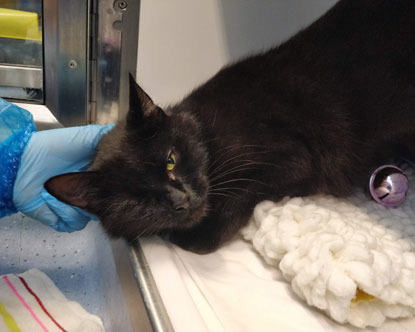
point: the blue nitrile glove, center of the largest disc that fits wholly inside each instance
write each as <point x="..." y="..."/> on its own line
<point x="50" y="153"/>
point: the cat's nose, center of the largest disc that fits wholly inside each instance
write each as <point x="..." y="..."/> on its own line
<point x="180" y="200"/>
<point x="183" y="205"/>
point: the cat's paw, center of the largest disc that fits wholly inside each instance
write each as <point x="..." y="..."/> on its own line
<point x="197" y="243"/>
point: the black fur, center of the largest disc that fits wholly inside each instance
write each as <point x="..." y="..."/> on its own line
<point x="314" y="115"/>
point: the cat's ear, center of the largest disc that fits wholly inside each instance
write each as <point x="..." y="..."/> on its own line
<point x="140" y="102"/>
<point x="143" y="115"/>
<point x="141" y="105"/>
<point x="72" y="188"/>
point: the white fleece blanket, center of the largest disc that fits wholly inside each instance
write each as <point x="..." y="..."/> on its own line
<point x="30" y="302"/>
<point x="354" y="259"/>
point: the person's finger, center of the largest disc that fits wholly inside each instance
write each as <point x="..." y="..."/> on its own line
<point x="67" y="144"/>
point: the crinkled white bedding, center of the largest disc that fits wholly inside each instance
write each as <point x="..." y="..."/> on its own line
<point x="329" y="252"/>
<point x="331" y="249"/>
<point x="234" y="290"/>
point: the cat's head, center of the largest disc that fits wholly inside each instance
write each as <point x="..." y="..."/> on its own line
<point x="149" y="173"/>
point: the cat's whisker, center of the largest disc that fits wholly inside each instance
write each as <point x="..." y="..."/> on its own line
<point x="148" y="231"/>
<point x="232" y="188"/>
<point x="239" y="168"/>
<point x="230" y="193"/>
<point x="230" y="147"/>
<point x="108" y="208"/>
<point x="237" y="146"/>
<point x="229" y="190"/>
<point x="236" y="180"/>
<point x="221" y="155"/>
<point x="214" y="119"/>
<point x="228" y="162"/>
<point x="209" y="140"/>
<point x="218" y="168"/>
<point x="222" y="194"/>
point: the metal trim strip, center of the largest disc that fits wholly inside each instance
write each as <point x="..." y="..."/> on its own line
<point x="22" y="77"/>
<point x="156" y="310"/>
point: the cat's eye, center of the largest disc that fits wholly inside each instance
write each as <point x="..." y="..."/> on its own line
<point x="171" y="161"/>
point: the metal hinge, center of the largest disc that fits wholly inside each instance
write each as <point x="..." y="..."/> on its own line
<point x="92" y="62"/>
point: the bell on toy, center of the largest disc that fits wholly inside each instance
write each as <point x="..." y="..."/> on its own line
<point x="389" y="185"/>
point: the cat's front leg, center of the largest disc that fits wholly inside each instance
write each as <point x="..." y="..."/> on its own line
<point x="215" y="229"/>
<point x="202" y="239"/>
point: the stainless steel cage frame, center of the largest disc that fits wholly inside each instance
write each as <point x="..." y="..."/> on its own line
<point x="89" y="48"/>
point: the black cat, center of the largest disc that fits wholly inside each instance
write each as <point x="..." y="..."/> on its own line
<point x="313" y="115"/>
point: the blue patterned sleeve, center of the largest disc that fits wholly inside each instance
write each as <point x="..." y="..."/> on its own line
<point x="16" y="128"/>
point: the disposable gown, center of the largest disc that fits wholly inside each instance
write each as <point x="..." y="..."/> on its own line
<point x="16" y="128"/>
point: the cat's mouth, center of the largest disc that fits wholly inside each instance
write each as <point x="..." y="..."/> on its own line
<point x="193" y="216"/>
<point x="187" y="218"/>
<point x="197" y="213"/>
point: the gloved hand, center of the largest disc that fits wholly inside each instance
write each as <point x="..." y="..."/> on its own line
<point x="50" y="153"/>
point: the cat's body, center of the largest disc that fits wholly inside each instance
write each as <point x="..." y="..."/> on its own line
<point x="314" y="115"/>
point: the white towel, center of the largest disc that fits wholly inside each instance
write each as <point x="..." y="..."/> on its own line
<point x="354" y="259"/>
<point x="30" y="302"/>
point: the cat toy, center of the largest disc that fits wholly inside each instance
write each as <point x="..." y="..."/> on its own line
<point x="389" y="185"/>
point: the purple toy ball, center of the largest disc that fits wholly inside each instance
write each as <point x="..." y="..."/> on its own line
<point x="389" y="185"/>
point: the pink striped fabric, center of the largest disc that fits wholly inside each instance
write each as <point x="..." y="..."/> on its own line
<point x="22" y="300"/>
<point x="39" y="301"/>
